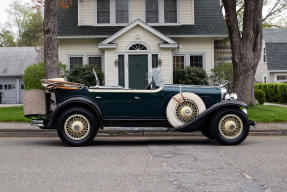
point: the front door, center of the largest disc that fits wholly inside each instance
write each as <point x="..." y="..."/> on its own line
<point x="138" y="71"/>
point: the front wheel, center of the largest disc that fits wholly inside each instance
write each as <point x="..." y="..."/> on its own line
<point x="77" y="126"/>
<point x="230" y="126"/>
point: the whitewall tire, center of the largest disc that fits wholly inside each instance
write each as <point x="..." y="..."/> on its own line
<point x="184" y="107"/>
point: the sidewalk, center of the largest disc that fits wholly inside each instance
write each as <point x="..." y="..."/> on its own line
<point x="10" y="105"/>
<point x="26" y="130"/>
<point x="275" y="104"/>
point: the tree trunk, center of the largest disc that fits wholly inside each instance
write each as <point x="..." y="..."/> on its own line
<point x="246" y="47"/>
<point x="50" y="40"/>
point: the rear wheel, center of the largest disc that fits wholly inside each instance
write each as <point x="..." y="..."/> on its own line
<point x="77" y="126"/>
<point x="230" y="126"/>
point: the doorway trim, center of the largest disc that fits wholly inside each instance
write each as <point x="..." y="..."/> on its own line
<point x="126" y="58"/>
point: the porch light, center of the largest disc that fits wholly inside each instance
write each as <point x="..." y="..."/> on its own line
<point x="116" y="62"/>
<point x="159" y="61"/>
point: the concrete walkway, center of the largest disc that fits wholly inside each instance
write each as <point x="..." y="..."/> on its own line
<point x="26" y="130"/>
<point x="275" y="104"/>
<point x="10" y="105"/>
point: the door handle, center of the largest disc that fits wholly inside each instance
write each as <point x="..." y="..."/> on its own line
<point x="98" y="97"/>
<point x="137" y="98"/>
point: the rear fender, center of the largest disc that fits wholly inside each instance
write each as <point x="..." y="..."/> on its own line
<point x="76" y="101"/>
<point x="204" y="118"/>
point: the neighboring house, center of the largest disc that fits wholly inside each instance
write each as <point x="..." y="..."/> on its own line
<point x="129" y="38"/>
<point x="272" y="67"/>
<point x="13" y="62"/>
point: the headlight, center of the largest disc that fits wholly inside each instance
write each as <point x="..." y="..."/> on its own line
<point x="232" y="96"/>
<point x="244" y="110"/>
<point x="223" y="93"/>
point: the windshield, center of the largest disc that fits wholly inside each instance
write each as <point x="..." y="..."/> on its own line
<point x="157" y="78"/>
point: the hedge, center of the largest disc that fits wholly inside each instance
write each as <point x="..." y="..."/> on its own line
<point x="260" y="96"/>
<point x="274" y="92"/>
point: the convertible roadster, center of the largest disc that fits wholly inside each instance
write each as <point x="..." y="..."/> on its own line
<point x="78" y="112"/>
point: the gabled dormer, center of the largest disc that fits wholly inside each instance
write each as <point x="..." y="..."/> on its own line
<point x="122" y="12"/>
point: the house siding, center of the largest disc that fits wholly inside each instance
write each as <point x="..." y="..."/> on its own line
<point x="79" y="47"/>
<point x="187" y="12"/>
<point x="86" y="11"/>
<point x="198" y="46"/>
<point x="137" y="10"/>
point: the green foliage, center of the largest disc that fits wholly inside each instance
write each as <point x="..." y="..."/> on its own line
<point x="274" y="92"/>
<point x="28" y="23"/>
<point x="33" y="75"/>
<point x="6" y="38"/>
<point x="84" y="75"/>
<point x="260" y="96"/>
<point x="222" y="75"/>
<point x="190" y="76"/>
<point x="264" y="113"/>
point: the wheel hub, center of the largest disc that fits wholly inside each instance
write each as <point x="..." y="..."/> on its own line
<point x="77" y="127"/>
<point x="186" y="111"/>
<point x="230" y="126"/>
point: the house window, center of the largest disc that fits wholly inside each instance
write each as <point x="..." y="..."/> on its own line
<point x="95" y="60"/>
<point x="76" y="61"/>
<point x="154" y="61"/>
<point x="264" y="54"/>
<point x="103" y="11"/>
<point x="196" y="61"/>
<point x="122" y="11"/>
<point x="178" y="62"/>
<point x="121" y="59"/>
<point x="138" y="47"/>
<point x="1" y="87"/>
<point x="152" y="11"/>
<point x="170" y="11"/>
<point x="22" y="86"/>
<point x="9" y="87"/>
<point x="282" y="78"/>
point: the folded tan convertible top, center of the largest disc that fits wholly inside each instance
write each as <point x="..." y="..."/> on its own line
<point x="60" y="83"/>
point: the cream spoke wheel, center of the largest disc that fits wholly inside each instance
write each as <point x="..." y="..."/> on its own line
<point x="77" y="127"/>
<point x="230" y="126"/>
<point x="186" y="111"/>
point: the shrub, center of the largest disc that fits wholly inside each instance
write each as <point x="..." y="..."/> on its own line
<point x="84" y="75"/>
<point x="274" y="92"/>
<point x="222" y="75"/>
<point x="190" y="76"/>
<point x="33" y="75"/>
<point x="260" y="96"/>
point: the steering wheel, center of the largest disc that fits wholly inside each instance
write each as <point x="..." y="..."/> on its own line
<point x="148" y="87"/>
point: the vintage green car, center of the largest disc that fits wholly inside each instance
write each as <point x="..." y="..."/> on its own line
<point x="78" y="112"/>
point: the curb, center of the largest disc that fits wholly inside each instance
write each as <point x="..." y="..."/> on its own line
<point x="108" y="133"/>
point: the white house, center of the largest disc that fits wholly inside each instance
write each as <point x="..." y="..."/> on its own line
<point x="128" y="38"/>
<point x="272" y="67"/>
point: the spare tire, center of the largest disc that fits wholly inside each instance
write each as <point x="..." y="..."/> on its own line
<point x="184" y="107"/>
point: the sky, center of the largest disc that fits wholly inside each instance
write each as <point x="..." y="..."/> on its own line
<point x="4" y="4"/>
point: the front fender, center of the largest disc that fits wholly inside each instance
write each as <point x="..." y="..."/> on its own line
<point x="204" y="117"/>
<point x="72" y="102"/>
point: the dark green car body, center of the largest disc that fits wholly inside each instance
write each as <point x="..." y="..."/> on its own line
<point x="123" y="104"/>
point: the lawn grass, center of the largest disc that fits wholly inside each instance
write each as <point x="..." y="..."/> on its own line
<point x="264" y="113"/>
<point x="12" y="114"/>
<point x="260" y="113"/>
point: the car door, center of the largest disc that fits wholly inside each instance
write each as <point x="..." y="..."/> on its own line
<point x="114" y="104"/>
<point x="147" y="104"/>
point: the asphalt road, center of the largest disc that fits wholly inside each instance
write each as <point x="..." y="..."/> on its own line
<point x="143" y="164"/>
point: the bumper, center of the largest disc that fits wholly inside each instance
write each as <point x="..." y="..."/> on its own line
<point x="252" y="123"/>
